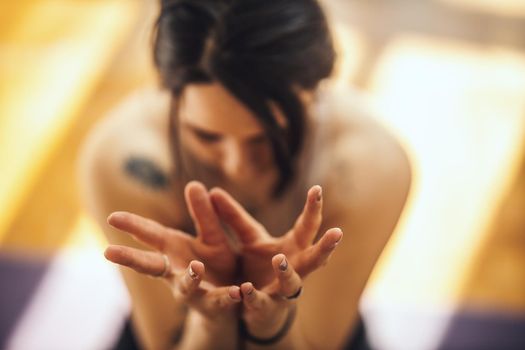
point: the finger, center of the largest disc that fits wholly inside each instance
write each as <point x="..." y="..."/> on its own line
<point x="318" y="254"/>
<point x="245" y="226"/>
<point x="205" y="299"/>
<point x="217" y="300"/>
<point x="146" y="262"/>
<point x="308" y="223"/>
<point x="235" y="293"/>
<point x="290" y="283"/>
<point x="190" y="280"/>
<point x="203" y="214"/>
<point x="144" y="230"/>
<point x="254" y="299"/>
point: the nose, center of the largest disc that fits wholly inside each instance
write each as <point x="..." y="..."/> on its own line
<point x="235" y="163"/>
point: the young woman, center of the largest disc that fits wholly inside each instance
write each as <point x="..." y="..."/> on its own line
<point x="242" y="175"/>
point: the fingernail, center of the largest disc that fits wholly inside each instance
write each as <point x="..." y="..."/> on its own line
<point x="236" y="295"/>
<point x="250" y="291"/>
<point x="320" y="194"/>
<point x="192" y="273"/>
<point x="338" y="241"/>
<point x="283" y="266"/>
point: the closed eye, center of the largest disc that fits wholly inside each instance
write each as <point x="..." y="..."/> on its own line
<point x="206" y="136"/>
<point x="258" y="139"/>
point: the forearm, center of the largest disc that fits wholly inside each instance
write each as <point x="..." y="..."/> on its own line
<point x="157" y="317"/>
<point x="204" y="333"/>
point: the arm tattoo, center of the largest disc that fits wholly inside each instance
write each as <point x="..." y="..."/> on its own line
<point x="146" y="172"/>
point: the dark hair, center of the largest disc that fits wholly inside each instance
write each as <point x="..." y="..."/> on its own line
<point x="260" y="50"/>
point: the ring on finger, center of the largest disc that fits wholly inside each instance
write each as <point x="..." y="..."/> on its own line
<point x="167" y="267"/>
<point x="295" y="295"/>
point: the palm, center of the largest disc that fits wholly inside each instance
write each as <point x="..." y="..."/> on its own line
<point x="258" y="246"/>
<point x="256" y="257"/>
<point x="210" y="245"/>
<point x="219" y="258"/>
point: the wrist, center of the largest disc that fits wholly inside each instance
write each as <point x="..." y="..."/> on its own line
<point x="201" y="332"/>
<point x="268" y="326"/>
<point x="214" y="323"/>
<point x="269" y="332"/>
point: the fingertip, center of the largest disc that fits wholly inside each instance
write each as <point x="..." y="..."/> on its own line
<point x="318" y="192"/>
<point x="197" y="268"/>
<point x="247" y="289"/>
<point x="193" y="188"/>
<point x="235" y="293"/>
<point x="115" y="217"/>
<point x="280" y="263"/>
<point x="277" y="258"/>
<point x="333" y="237"/>
<point x="215" y="190"/>
<point x="111" y="252"/>
<point x="315" y="194"/>
<point x="217" y="194"/>
<point x="117" y="254"/>
<point x="338" y="233"/>
<point x="108" y="253"/>
<point x="194" y="185"/>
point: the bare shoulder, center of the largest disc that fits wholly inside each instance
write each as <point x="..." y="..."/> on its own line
<point x="365" y="165"/>
<point x="125" y="165"/>
<point x="125" y="162"/>
<point x="365" y="174"/>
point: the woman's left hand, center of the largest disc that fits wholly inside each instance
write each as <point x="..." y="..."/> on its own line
<point x="259" y="247"/>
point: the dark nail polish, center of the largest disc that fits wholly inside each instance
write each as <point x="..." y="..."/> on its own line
<point x="192" y="273"/>
<point x="283" y="266"/>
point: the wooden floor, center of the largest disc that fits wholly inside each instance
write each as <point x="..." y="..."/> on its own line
<point x="452" y="90"/>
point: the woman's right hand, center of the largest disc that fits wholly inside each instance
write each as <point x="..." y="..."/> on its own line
<point x="215" y="304"/>
<point x="179" y="259"/>
<point x="174" y="249"/>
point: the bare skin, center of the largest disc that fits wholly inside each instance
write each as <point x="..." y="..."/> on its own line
<point x="365" y="181"/>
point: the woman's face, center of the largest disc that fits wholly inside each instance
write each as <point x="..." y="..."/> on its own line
<point x="222" y="133"/>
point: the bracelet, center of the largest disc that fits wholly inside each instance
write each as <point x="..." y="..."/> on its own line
<point x="243" y="330"/>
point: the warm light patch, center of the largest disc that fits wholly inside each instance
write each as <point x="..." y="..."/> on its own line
<point x="511" y="8"/>
<point x="460" y="108"/>
<point x="52" y="57"/>
<point x="349" y="45"/>
<point x="86" y="233"/>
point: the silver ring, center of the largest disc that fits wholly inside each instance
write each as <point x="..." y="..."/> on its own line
<point x="167" y="267"/>
<point x="295" y="295"/>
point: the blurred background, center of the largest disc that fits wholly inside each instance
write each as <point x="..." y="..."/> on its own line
<point x="446" y="76"/>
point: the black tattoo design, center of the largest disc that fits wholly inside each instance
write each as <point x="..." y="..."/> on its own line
<point x="147" y="172"/>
